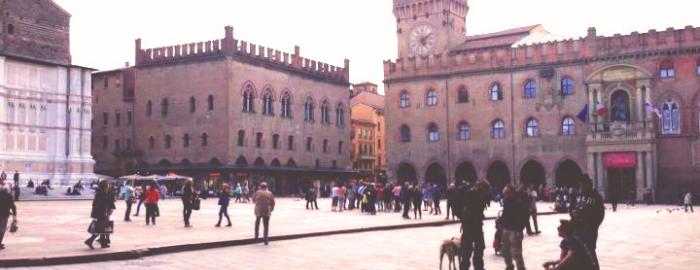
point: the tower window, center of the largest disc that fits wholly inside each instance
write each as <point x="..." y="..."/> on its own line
<point x="10" y="29"/>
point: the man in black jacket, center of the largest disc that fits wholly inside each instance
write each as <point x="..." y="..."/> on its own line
<point x="588" y="214"/>
<point x="470" y="211"/>
<point x="515" y="216"/>
<point x="7" y="208"/>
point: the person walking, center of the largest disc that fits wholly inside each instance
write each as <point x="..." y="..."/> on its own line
<point x="417" y="196"/>
<point x="436" y="195"/>
<point x="187" y="201"/>
<point x="614" y="200"/>
<point x="688" y="202"/>
<point x="141" y="195"/>
<point x="334" y="198"/>
<point x="7" y="208"/>
<point x="224" y="199"/>
<point x="311" y="198"/>
<point x="264" y="202"/>
<point x="387" y="194"/>
<point x="129" y="200"/>
<point x="406" y="198"/>
<point x="238" y="192"/>
<point x="379" y="194"/>
<point x="351" y="196"/>
<point x="246" y="193"/>
<point x="450" y="194"/>
<point x="15" y="178"/>
<point x="102" y="208"/>
<point x="531" y="200"/>
<point x="396" y="193"/>
<point x="371" y="195"/>
<point x="587" y="215"/>
<point x="341" y="197"/>
<point x="515" y="215"/>
<point x="470" y="210"/>
<point x="151" y="200"/>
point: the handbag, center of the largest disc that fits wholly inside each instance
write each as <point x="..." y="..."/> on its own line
<point x="13" y="226"/>
<point x="196" y="203"/>
<point x="101" y="227"/>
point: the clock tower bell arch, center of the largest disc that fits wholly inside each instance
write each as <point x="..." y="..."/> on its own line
<point x="429" y="26"/>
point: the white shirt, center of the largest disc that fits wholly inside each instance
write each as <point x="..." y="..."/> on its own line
<point x="688" y="198"/>
<point x="334" y="192"/>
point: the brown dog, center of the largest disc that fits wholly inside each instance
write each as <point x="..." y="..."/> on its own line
<point x="451" y="247"/>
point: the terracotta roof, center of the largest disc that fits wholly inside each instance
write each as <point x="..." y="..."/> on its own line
<point x="370" y="99"/>
<point x="504" y="38"/>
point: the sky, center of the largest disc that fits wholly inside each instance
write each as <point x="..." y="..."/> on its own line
<point x="364" y="31"/>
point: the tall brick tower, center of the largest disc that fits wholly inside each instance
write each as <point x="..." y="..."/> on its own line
<point x="429" y="26"/>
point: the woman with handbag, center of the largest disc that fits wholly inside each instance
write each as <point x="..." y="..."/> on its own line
<point x="102" y="208"/>
<point x="187" y="201"/>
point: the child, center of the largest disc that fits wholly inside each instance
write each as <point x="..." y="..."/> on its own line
<point x="574" y="254"/>
<point x="224" y="200"/>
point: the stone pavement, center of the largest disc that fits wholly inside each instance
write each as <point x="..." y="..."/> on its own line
<point x="49" y="229"/>
<point x="636" y="238"/>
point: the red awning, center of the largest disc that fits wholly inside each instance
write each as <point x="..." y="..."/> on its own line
<point x="620" y="160"/>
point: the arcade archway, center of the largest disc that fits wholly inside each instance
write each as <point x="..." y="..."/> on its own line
<point x="406" y="173"/>
<point x="498" y="175"/>
<point x="568" y="174"/>
<point x="532" y="173"/>
<point x="465" y="172"/>
<point x="435" y="174"/>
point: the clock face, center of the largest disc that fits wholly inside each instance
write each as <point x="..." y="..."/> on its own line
<point x="422" y="39"/>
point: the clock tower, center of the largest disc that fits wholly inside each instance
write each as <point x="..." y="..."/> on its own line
<point x="426" y="27"/>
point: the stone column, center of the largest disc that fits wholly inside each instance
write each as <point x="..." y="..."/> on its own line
<point x="639" y="176"/>
<point x="601" y="181"/>
<point x="651" y="176"/>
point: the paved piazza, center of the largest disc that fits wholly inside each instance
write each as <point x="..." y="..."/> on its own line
<point x="633" y="238"/>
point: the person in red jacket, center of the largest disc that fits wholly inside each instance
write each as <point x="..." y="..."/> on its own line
<point x="152" y="197"/>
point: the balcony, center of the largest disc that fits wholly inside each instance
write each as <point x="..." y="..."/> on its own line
<point x="367" y="157"/>
<point x="620" y="132"/>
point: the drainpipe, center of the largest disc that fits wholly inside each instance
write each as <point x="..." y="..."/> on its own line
<point x="448" y="134"/>
<point x="512" y="127"/>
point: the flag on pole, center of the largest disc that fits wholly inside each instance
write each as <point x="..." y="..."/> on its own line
<point x="600" y="109"/>
<point x="651" y="108"/>
<point x="583" y="114"/>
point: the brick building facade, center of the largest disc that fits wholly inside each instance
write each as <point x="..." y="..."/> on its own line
<point x="368" y="143"/>
<point x="509" y="106"/>
<point x="45" y="106"/>
<point x="231" y="111"/>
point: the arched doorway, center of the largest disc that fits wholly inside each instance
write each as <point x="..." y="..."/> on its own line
<point x="465" y="172"/>
<point x="406" y="173"/>
<point x="568" y="174"/>
<point x="435" y="175"/>
<point x="498" y="176"/>
<point x="532" y="173"/>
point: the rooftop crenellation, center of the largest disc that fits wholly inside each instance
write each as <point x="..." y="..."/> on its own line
<point x="240" y="50"/>
<point x="588" y="48"/>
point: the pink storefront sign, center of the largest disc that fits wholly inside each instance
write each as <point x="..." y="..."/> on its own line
<point x="620" y="160"/>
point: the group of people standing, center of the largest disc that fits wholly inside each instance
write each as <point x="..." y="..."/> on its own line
<point x="579" y="234"/>
<point x="103" y="206"/>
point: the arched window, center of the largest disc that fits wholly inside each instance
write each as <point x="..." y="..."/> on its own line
<point x="340" y="147"/>
<point x="151" y="142"/>
<point x="462" y="95"/>
<point x="168" y="141"/>
<point x="325" y="146"/>
<point x="241" y="138"/>
<point x="620" y="106"/>
<point x="533" y="128"/>
<point x="433" y="133"/>
<point x="405" y="133"/>
<point x="496" y="92"/>
<point x="463" y="132"/>
<point x="567" y="86"/>
<point x="404" y="100"/>
<point x="325" y="113"/>
<point x="498" y="130"/>
<point x="186" y="140"/>
<point x="286" y="106"/>
<point x="340" y="115"/>
<point x="568" y="126"/>
<point x="670" y="118"/>
<point x="309" y="110"/>
<point x="530" y="89"/>
<point x="205" y="139"/>
<point x="258" y="139"/>
<point x="164" y="107"/>
<point x="666" y="69"/>
<point x="210" y="103"/>
<point x="248" y="97"/>
<point x="290" y="143"/>
<point x="267" y="103"/>
<point x="275" y="141"/>
<point x="697" y="68"/>
<point x="149" y="108"/>
<point x="10" y="29"/>
<point x="431" y="98"/>
<point x="193" y="105"/>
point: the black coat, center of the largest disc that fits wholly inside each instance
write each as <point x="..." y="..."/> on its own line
<point x="187" y="196"/>
<point x="102" y="205"/>
<point x="7" y="204"/>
